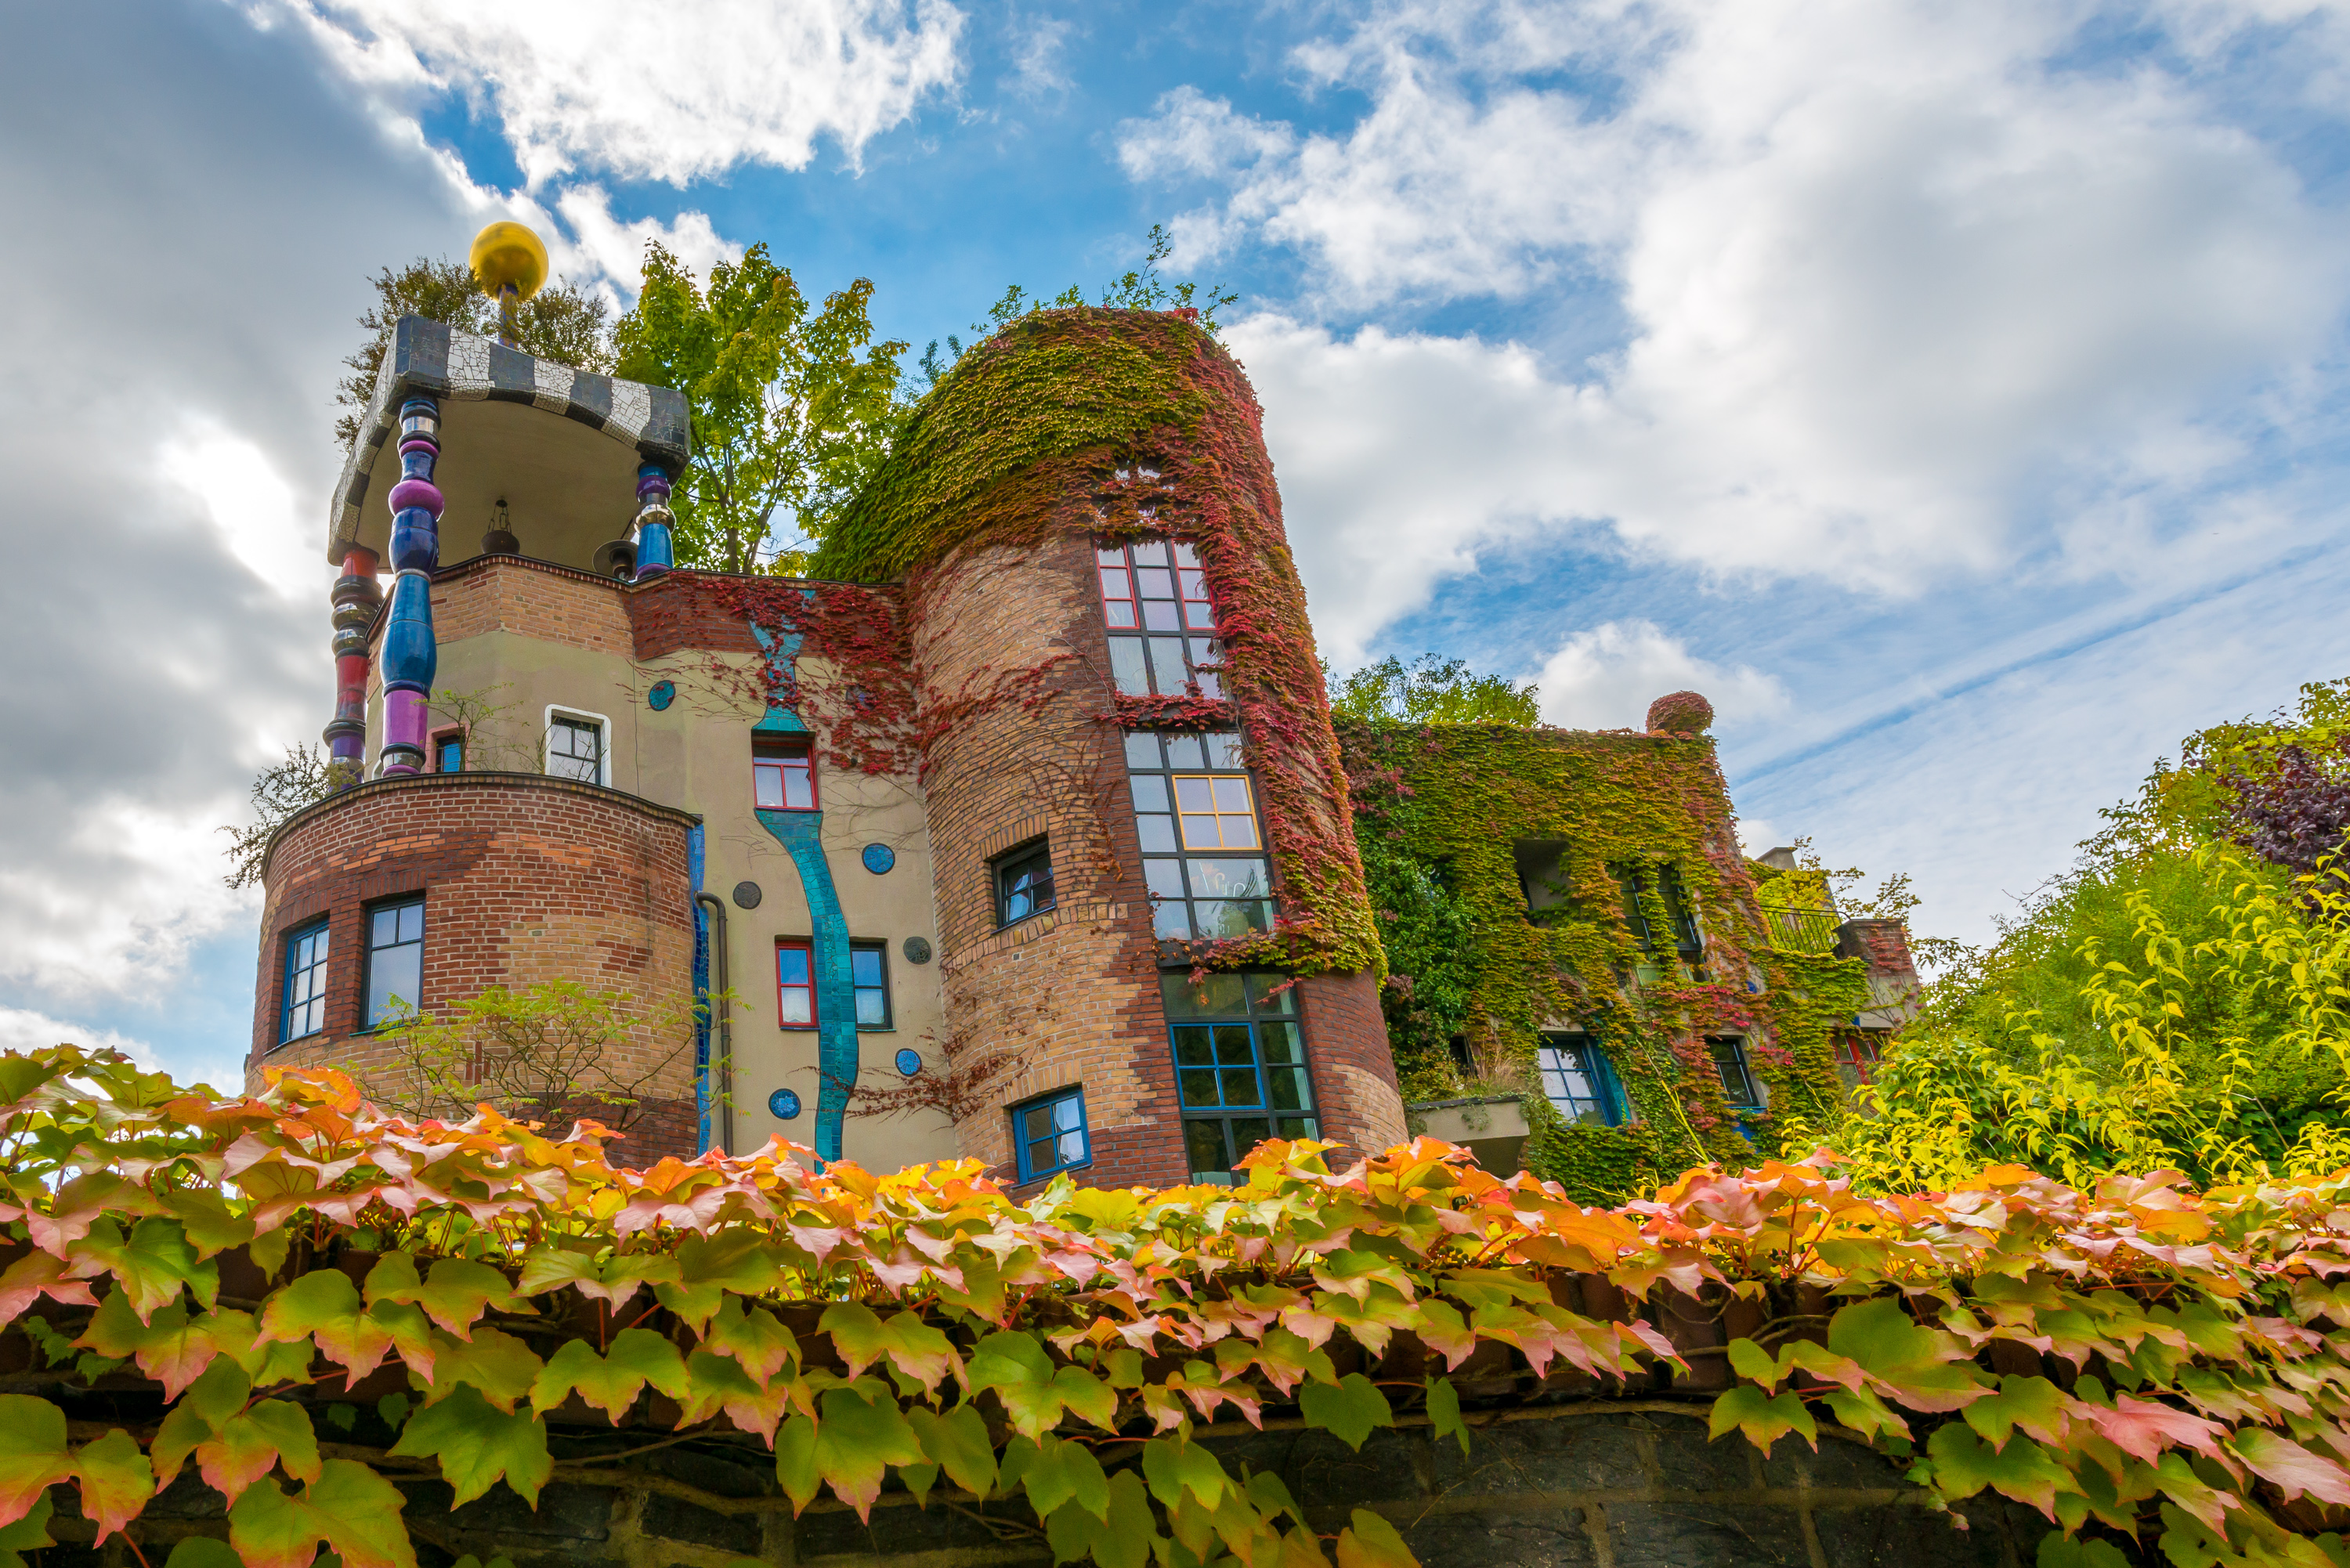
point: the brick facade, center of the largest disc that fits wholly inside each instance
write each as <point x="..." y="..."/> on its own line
<point x="525" y="879"/>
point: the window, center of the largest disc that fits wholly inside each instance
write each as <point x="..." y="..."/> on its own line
<point x="1857" y="1055"/>
<point x="1203" y="859"/>
<point x="1634" y="881"/>
<point x="1024" y="882"/>
<point x="794" y="985"/>
<point x="782" y="775"/>
<point x="395" y="960"/>
<point x="1678" y="909"/>
<point x="449" y="753"/>
<point x="1580" y="1081"/>
<point x="1049" y="1135"/>
<point x="1240" y="1067"/>
<point x="574" y="748"/>
<point x="305" y="1008"/>
<point x="1542" y="875"/>
<point x="868" y="972"/>
<point x="1737" y="1082"/>
<point x="1155" y="601"/>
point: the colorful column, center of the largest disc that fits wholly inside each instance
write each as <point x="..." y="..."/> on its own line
<point x="655" y="551"/>
<point x="355" y="600"/>
<point x="409" y="655"/>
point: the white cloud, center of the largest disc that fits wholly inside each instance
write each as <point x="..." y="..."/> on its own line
<point x="249" y="503"/>
<point x="23" y="1030"/>
<point x="1903" y="290"/>
<point x="1604" y="678"/>
<point x="616" y="250"/>
<point x="1037" y="43"/>
<point x="648" y="91"/>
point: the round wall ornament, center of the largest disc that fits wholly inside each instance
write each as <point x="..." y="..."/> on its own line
<point x="663" y="693"/>
<point x="747" y="895"/>
<point x="910" y="1063"/>
<point x="784" y="1104"/>
<point x="880" y="857"/>
<point x="916" y="949"/>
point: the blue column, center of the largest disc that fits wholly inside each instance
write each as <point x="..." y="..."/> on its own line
<point x="411" y="656"/>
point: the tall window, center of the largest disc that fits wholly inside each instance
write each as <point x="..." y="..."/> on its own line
<point x="1634" y="881"/>
<point x="1240" y="1067"/>
<point x="1024" y="882"/>
<point x="574" y="749"/>
<point x="868" y="973"/>
<point x="448" y="753"/>
<point x="1049" y="1134"/>
<point x="1737" y="1079"/>
<point x="1161" y="629"/>
<point x="1580" y="1081"/>
<point x="305" y="1011"/>
<point x="1202" y="856"/>
<point x="395" y="960"/>
<point x="782" y="775"/>
<point x="1857" y="1055"/>
<point x="795" y="984"/>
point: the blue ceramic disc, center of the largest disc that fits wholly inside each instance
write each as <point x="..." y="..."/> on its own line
<point x="663" y="693"/>
<point x="784" y="1104"/>
<point x="910" y="1063"/>
<point x="880" y="857"/>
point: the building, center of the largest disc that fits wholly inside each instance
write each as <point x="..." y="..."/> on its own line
<point x="1020" y="831"/>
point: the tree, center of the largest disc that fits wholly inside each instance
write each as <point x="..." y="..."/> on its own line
<point x="304" y="777"/>
<point x="792" y="409"/>
<point x="1433" y="690"/>
<point x="559" y="322"/>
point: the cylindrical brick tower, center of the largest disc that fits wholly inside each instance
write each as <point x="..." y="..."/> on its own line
<point x="1154" y="936"/>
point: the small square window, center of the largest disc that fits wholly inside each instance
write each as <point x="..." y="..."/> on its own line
<point x="868" y="973"/>
<point x="574" y="749"/>
<point x="448" y="753"/>
<point x="395" y="961"/>
<point x="795" y="984"/>
<point x="1736" y="1081"/>
<point x="1049" y="1134"/>
<point x="782" y="775"/>
<point x="1024" y="882"/>
<point x="305" y="1009"/>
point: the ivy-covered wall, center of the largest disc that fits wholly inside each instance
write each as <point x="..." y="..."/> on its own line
<point x="1535" y="881"/>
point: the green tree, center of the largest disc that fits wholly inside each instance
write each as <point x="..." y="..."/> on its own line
<point x="304" y="778"/>
<point x="791" y="409"/>
<point x="559" y="322"/>
<point x="1433" y="690"/>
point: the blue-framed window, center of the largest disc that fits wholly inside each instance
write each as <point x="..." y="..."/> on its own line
<point x="1738" y="1085"/>
<point x="305" y="1009"/>
<point x="868" y="972"/>
<point x="1240" y="1067"/>
<point x="395" y="960"/>
<point x="1049" y="1134"/>
<point x="1580" y="1081"/>
<point x="448" y="753"/>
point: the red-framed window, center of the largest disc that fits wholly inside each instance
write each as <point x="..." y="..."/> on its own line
<point x="782" y="775"/>
<point x="795" y="984"/>
<point x="1857" y="1056"/>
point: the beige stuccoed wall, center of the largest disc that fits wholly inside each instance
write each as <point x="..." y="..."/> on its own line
<point x="696" y="755"/>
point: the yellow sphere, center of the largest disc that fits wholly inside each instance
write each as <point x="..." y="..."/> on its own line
<point x="508" y="253"/>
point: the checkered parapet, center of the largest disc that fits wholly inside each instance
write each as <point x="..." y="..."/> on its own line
<point x="431" y="359"/>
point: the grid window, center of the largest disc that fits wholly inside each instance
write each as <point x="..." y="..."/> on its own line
<point x="782" y="775"/>
<point x="449" y="754"/>
<point x="1737" y="1079"/>
<point x="1634" y="881"/>
<point x="1203" y="860"/>
<point x="1024" y="882"/>
<point x="1049" y="1135"/>
<point x="1155" y="603"/>
<point x="306" y="982"/>
<point x="794" y="985"/>
<point x="1580" y="1081"/>
<point x="574" y="749"/>
<point x="1857" y="1056"/>
<point x="1240" y="1067"/>
<point x="868" y="973"/>
<point x="395" y="961"/>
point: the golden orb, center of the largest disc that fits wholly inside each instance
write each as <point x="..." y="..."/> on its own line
<point x="508" y="253"/>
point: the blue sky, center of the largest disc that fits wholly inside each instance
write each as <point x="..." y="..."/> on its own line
<point x="1955" y="394"/>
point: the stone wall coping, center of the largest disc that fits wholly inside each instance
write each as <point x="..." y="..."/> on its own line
<point x="397" y="783"/>
<point x="1463" y="1100"/>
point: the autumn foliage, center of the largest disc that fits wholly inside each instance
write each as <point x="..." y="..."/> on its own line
<point x="2141" y="1364"/>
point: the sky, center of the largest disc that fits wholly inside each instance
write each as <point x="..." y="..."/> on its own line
<point x="1955" y="393"/>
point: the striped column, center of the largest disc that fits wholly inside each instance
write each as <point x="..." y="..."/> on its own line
<point x="409" y="655"/>
<point x="656" y="552"/>
<point x="355" y="600"/>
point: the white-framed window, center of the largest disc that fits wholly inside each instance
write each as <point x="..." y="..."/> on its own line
<point x="578" y="745"/>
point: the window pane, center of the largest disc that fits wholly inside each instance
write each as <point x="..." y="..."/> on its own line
<point x="1194" y="1045"/>
<point x="1205" y="1140"/>
<point x="1115" y="583"/>
<point x="1294" y="1127"/>
<point x="1120" y="614"/>
<point x="799" y="1005"/>
<point x="1185" y="555"/>
<point x="1159" y="615"/>
<point x="1229" y="879"/>
<point x="1171" y="921"/>
<point x="1285" y="1089"/>
<point x="1217" y="996"/>
<point x="1073" y="1144"/>
<point x="1141" y="749"/>
<point x="1126" y="666"/>
<point x="800" y="786"/>
<point x="411" y="922"/>
<point x="1156" y="833"/>
<point x="1163" y="877"/>
<point x="1234" y="1043"/>
<point x="1185" y="752"/>
<point x="872" y="1008"/>
<point x="1231" y="794"/>
<point x="1278" y="1042"/>
<point x="386" y="932"/>
<point x="865" y="966"/>
<point x="1232" y="917"/>
<point x="1223" y="748"/>
<point x="1240" y="1085"/>
<point x="1271" y="994"/>
<point x="1149" y="792"/>
<point x="1067" y="1115"/>
<point x="395" y="975"/>
<point x="792" y="965"/>
<point x="1157" y="582"/>
<point x="1194" y="584"/>
<point x="1038" y="1122"/>
<point x="767" y="786"/>
<point x="1247" y="1132"/>
<point x="1198" y="1086"/>
<point x="1151" y="553"/>
<point x="1166" y="665"/>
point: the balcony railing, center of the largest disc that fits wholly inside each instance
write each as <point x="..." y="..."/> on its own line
<point x="1798" y="931"/>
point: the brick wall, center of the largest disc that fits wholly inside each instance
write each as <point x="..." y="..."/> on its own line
<point x="680" y="610"/>
<point x="1354" y="1073"/>
<point x="525" y="879"/>
<point x="535" y="599"/>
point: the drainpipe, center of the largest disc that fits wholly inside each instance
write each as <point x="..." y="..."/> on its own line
<point x="724" y="1021"/>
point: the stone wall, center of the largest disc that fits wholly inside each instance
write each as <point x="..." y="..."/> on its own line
<point x="1634" y="1485"/>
